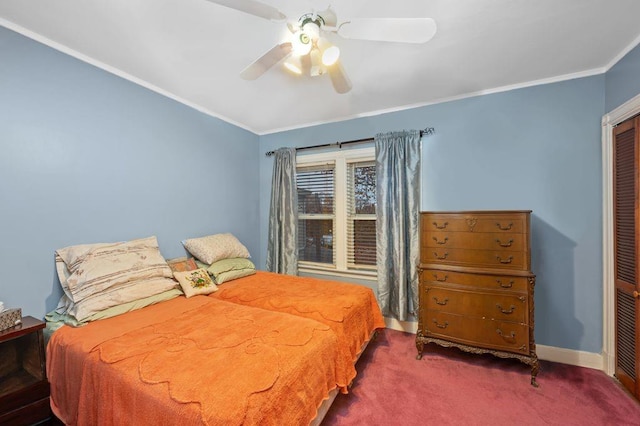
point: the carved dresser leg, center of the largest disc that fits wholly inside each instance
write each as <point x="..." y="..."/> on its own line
<point x="534" y="372"/>
<point x="420" y="347"/>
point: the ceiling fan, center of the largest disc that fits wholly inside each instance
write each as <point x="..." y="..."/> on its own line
<point x="309" y="52"/>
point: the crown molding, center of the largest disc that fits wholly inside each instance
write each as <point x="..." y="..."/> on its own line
<point x="556" y="79"/>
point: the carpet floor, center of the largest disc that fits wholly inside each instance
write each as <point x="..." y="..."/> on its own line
<point x="451" y="387"/>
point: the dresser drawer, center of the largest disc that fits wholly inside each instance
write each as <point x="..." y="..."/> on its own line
<point x="486" y="333"/>
<point x="492" y="282"/>
<point x="504" y="259"/>
<point x="507" y="222"/>
<point x="504" y="307"/>
<point x="473" y="240"/>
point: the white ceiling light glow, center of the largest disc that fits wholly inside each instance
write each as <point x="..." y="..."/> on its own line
<point x="301" y="43"/>
<point x="330" y="53"/>
<point x="294" y="65"/>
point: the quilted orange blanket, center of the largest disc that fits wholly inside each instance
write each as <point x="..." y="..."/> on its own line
<point x="350" y="310"/>
<point x="192" y="361"/>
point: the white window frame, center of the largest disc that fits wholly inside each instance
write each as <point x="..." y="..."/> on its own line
<point x="339" y="159"/>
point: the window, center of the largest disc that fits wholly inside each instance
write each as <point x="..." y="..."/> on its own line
<point x="316" y="213"/>
<point x="361" y="215"/>
<point x="337" y="211"/>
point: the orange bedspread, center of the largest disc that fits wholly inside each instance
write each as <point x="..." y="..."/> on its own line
<point x="192" y="361"/>
<point x="350" y="310"/>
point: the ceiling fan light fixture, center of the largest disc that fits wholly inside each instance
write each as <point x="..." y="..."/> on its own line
<point x="301" y="43"/>
<point x="316" y="63"/>
<point x="312" y="29"/>
<point x="330" y="52"/>
<point x="309" y="53"/>
<point x="294" y="65"/>
<point x="330" y="55"/>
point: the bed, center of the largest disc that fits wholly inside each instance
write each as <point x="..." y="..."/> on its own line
<point x="192" y="361"/>
<point x="351" y="311"/>
<point x="261" y="349"/>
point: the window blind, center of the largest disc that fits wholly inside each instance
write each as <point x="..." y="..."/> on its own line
<point x="316" y="213"/>
<point x="361" y="215"/>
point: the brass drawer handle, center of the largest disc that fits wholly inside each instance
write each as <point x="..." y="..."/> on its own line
<point x="444" y="225"/>
<point x="441" y="242"/>
<point x="504" y="311"/>
<point x="444" y="256"/>
<point x="446" y="323"/>
<point x="503" y="285"/>
<point x="504" y="261"/>
<point x="504" y="228"/>
<point x="435" y="276"/>
<point x="443" y="302"/>
<point x="510" y="338"/>
<point x="507" y="244"/>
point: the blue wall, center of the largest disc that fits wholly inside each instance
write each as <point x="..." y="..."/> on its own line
<point x="623" y="80"/>
<point x="536" y="148"/>
<point x="86" y="156"/>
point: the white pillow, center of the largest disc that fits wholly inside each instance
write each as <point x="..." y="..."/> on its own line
<point x="215" y="247"/>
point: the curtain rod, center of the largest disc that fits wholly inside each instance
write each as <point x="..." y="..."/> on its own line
<point x="424" y="132"/>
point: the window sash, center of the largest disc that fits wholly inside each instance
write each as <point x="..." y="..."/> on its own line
<point x="316" y="214"/>
<point x="361" y="228"/>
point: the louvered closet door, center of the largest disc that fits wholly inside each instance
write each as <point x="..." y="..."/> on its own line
<point x="627" y="313"/>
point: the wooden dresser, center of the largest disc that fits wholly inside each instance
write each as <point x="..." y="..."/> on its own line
<point x="476" y="284"/>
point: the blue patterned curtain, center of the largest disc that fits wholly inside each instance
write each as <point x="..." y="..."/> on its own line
<point x="282" y="248"/>
<point x="397" y="222"/>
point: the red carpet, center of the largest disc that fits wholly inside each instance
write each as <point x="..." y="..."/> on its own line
<point x="450" y="387"/>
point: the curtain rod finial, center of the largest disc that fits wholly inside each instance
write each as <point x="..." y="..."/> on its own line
<point x="428" y="131"/>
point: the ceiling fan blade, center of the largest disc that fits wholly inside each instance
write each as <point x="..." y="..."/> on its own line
<point x="253" y="7"/>
<point x="266" y="61"/>
<point x="400" y="30"/>
<point x="339" y="78"/>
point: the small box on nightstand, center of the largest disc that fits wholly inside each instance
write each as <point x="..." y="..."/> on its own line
<point x="10" y="318"/>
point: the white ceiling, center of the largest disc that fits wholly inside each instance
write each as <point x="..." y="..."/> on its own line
<point x="193" y="51"/>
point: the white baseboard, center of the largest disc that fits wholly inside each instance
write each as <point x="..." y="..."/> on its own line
<point x="406" y="326"/>
<point x="547" y="353"/>
<point x="571" y="357"/>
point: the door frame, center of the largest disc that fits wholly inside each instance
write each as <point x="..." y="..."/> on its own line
<point x="609" y="120"/>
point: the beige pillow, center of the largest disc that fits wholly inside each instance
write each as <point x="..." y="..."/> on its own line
<point x="117" y="295"/>
<point x="108" y="266"/>
<point x="72" y="254"/>
<point x="55" y="316"/>
<point x="95" y="277"/>
<point x="215" y="247"/>
<point x="195" y="282"/>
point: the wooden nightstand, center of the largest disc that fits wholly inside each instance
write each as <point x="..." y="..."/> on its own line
<point x="24" y="390"/>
